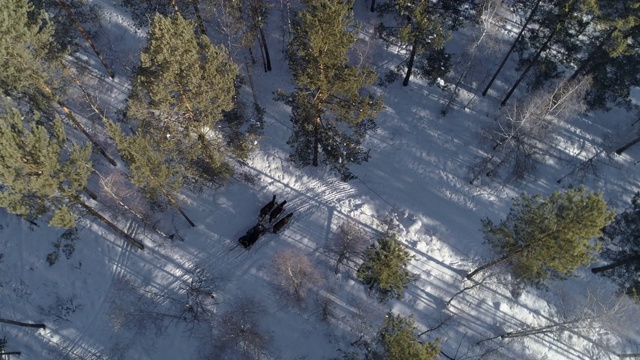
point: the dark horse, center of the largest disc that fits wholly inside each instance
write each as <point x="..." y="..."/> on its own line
<point x="281" y="223"/>
<point x="277" y="211"/>
<point x="267" y="208"/>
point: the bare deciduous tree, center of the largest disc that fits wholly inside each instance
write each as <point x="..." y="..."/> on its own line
<point x="238" y="334"/>
<point x="200" y="290"/>
<point x="348" y="244"/>
<point x="524" y="128"/>
<point x="600" y="318"/>
<point x="134" y="311"/>
<point x="119" y="193"/>
<point x="294" y="275"/>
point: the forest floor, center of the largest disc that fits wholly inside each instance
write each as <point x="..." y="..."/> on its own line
<point x="110" y="301"/>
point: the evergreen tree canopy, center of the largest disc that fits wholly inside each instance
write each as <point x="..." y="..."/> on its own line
<point x="242" y="22"/>
<point x="597" y="37"/>
<point x="37" y="174"/>
<point x="385" y="268"/>
<point x="149" y="168"/>
<point x="612" y="56"/>
<point x="566" y="27"/>
<point x="28" y="56"/>
<point x="416" y="21"/>
<point x="330" y="111"/>
<point x="397" y="340"/>
<point x="548" y="238"/>
<point x="419" y="26"/>
<point x="182" y="88"/>
<point x="622" y="248"/>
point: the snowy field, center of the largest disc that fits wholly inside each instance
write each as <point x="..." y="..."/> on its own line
<point x="111" y="301"/>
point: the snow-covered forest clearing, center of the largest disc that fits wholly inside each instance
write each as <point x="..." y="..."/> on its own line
<point x="453" y="179"/>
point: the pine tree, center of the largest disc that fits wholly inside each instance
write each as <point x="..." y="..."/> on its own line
<point x="28" y="56"/>
<point x="547" y="238"/>
<point x="37" y="173"/>
<point x="417" y="26"/>
<point x="180" y="91"/>
<point x="612" y="56"/>
<point x="385" y="268"/>
<point x="31" y="62"/>
<point x="149" y="169"/>
<point x="330" y="112"/>
<point x="622" y="248"/>
<point x="397" y="340"/>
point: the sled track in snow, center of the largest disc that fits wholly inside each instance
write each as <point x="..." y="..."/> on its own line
<point x="237" y="252"/>
<point x="305" y="201"/>
<point x="81" y="347"/>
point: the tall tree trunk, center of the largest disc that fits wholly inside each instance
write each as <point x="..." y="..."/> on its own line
<point x="175" y="204"/>
<point x="373" y="6"/>
<point x="174" y="6"/>
<point x="18" y="323"/>
<point x="97" y="215"/>
<point x="90" y="193"/>
<point x="93" y="141"/>
<point x="255" y="14"/>
<point x="286" y="26"/>
<point x="316" y="141"/>
<point x="494" y="262"/>
<point x="266" y="49"/>
<point x="531" y="63"/>
<point x="454" y="92"/>
<point x="504" y="60"/>
<point x="488" y="265"/>
<point x="616" y="264"/>
<point x="535" y="331"/>
<point x="627" y="146"/>
<point x="264" y="59"/>
<point x="66" y="8"/>
<point x="412" y="57"/>
<point x="77" y="124"/>
<point x="200" y="21"/>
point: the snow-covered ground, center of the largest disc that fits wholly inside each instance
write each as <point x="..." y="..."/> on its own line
<point x="109" y="301"/>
